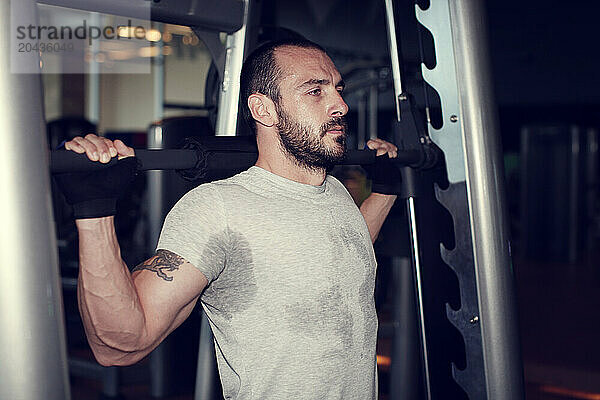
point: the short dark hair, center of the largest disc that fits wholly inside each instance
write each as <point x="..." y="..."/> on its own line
<point x="261" y="74"/>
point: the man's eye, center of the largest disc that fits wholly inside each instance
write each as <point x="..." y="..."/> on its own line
<point x="315" y="92"/>
<point x="340" y="90"/>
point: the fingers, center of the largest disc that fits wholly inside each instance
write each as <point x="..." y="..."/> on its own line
<point x="95" y="147"/>
<point x="98" y="148"/>
<point x="123" y="150"/>
<point x="383" y="147"/>
<point x="74" y="146"/>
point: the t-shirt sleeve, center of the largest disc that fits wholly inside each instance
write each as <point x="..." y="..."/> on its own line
<point x="196" y="229"/>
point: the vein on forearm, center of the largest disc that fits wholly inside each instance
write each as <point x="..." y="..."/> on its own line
<point x="109" y="304"/>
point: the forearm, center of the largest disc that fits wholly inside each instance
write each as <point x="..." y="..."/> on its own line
<point x="375" y="210"/>
<point x="110" y="307"/>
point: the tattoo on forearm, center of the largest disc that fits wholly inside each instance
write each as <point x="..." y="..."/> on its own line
<point x="165" y="261"/>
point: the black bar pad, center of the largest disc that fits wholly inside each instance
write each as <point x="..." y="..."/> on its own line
<point x="69" y="161"/>
<point x="228" y="143"/>
<point x="223" y="153"/>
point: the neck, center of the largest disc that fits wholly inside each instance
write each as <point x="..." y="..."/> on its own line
<point x="273" y="158"/>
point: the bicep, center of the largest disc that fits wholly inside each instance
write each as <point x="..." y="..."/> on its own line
<point x="168" y="287"/>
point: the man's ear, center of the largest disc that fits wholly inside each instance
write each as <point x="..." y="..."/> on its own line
<point x="262" y="109"/>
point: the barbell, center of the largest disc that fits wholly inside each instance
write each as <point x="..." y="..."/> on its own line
<point x="212" y="153"/>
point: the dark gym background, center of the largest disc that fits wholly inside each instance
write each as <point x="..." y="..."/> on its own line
<point x="545" y="63"/>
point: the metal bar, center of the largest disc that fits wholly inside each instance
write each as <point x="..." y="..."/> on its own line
<point x="93" y="79"/>
<point x="154" y="191"/>
<point x="68" y="161"/>
<point x="414" y="240"/>
<point x="393" y="46"/>
<point x="373" y="108"/>
<point x="110" y="382"/>
<point x="486" y="199"/>
<point x="86" y="368"/>
<point x="156" y="213"/>
<point x="158" y="70"/>
<point x="214" y="157"/>
<point x="230" y="88"/>
<point x="206" y="362"/>
<point x="405" y="367"/>
<point x="32" y="337"/>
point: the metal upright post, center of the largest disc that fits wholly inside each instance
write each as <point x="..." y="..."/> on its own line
<point x="230" y="87"/>
<point x="475" y="198"/>
<point x="32" y="337"/>
<point x="226" y="126"/>
<point x="486" y="195"/>
<point x="406" y="365"/>
<point x="394" y="57"/>
<point x="410" y="197"/>
<point x="158" y="357"/>
<point x="410" y="187"/>
<point x="373" y="109"/>
<point x="92" y="100"/>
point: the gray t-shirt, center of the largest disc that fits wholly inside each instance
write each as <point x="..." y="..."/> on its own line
<point x="291" y="274"/>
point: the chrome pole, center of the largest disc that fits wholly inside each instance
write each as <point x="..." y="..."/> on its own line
<point x="414" y="241"/>
<point x="33" y="354"/>
<point x="206" y="362"/>
<point x="486" y="199"/>
<point x="159" y="381"/>
<point x="410" y="200"/>
<point x="405" y="368"/>
<point x="230" y="87"/>
<point x="393" y="46"/>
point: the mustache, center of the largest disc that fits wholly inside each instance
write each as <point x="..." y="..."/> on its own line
<point x="335" y="122"/>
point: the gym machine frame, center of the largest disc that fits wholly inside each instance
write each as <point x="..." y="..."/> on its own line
<point x="475" y="198"/>
<point x="32" y="339"/>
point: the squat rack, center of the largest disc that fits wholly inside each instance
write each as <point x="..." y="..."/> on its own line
<point x="32" y="339"/>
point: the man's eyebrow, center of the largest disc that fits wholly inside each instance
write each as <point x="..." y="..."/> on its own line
<point x="321" y="82"/>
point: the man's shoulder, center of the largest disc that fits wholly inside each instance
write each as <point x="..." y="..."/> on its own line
<point x="335" y="186"/>
<point x="334" y="181"/>
<point x="217" y="190"/>
<point x="234" y="181"/>
<point x="210" y="198"/>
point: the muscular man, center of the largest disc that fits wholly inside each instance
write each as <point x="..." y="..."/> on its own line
<point x="279" y="255"/>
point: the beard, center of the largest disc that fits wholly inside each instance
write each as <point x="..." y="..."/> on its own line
<point x="306" y="146"/>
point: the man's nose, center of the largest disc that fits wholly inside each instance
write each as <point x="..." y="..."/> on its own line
<point x="339" y="108"/>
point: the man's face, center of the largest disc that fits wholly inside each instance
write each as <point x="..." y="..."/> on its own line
<point x="311" y="122"/>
